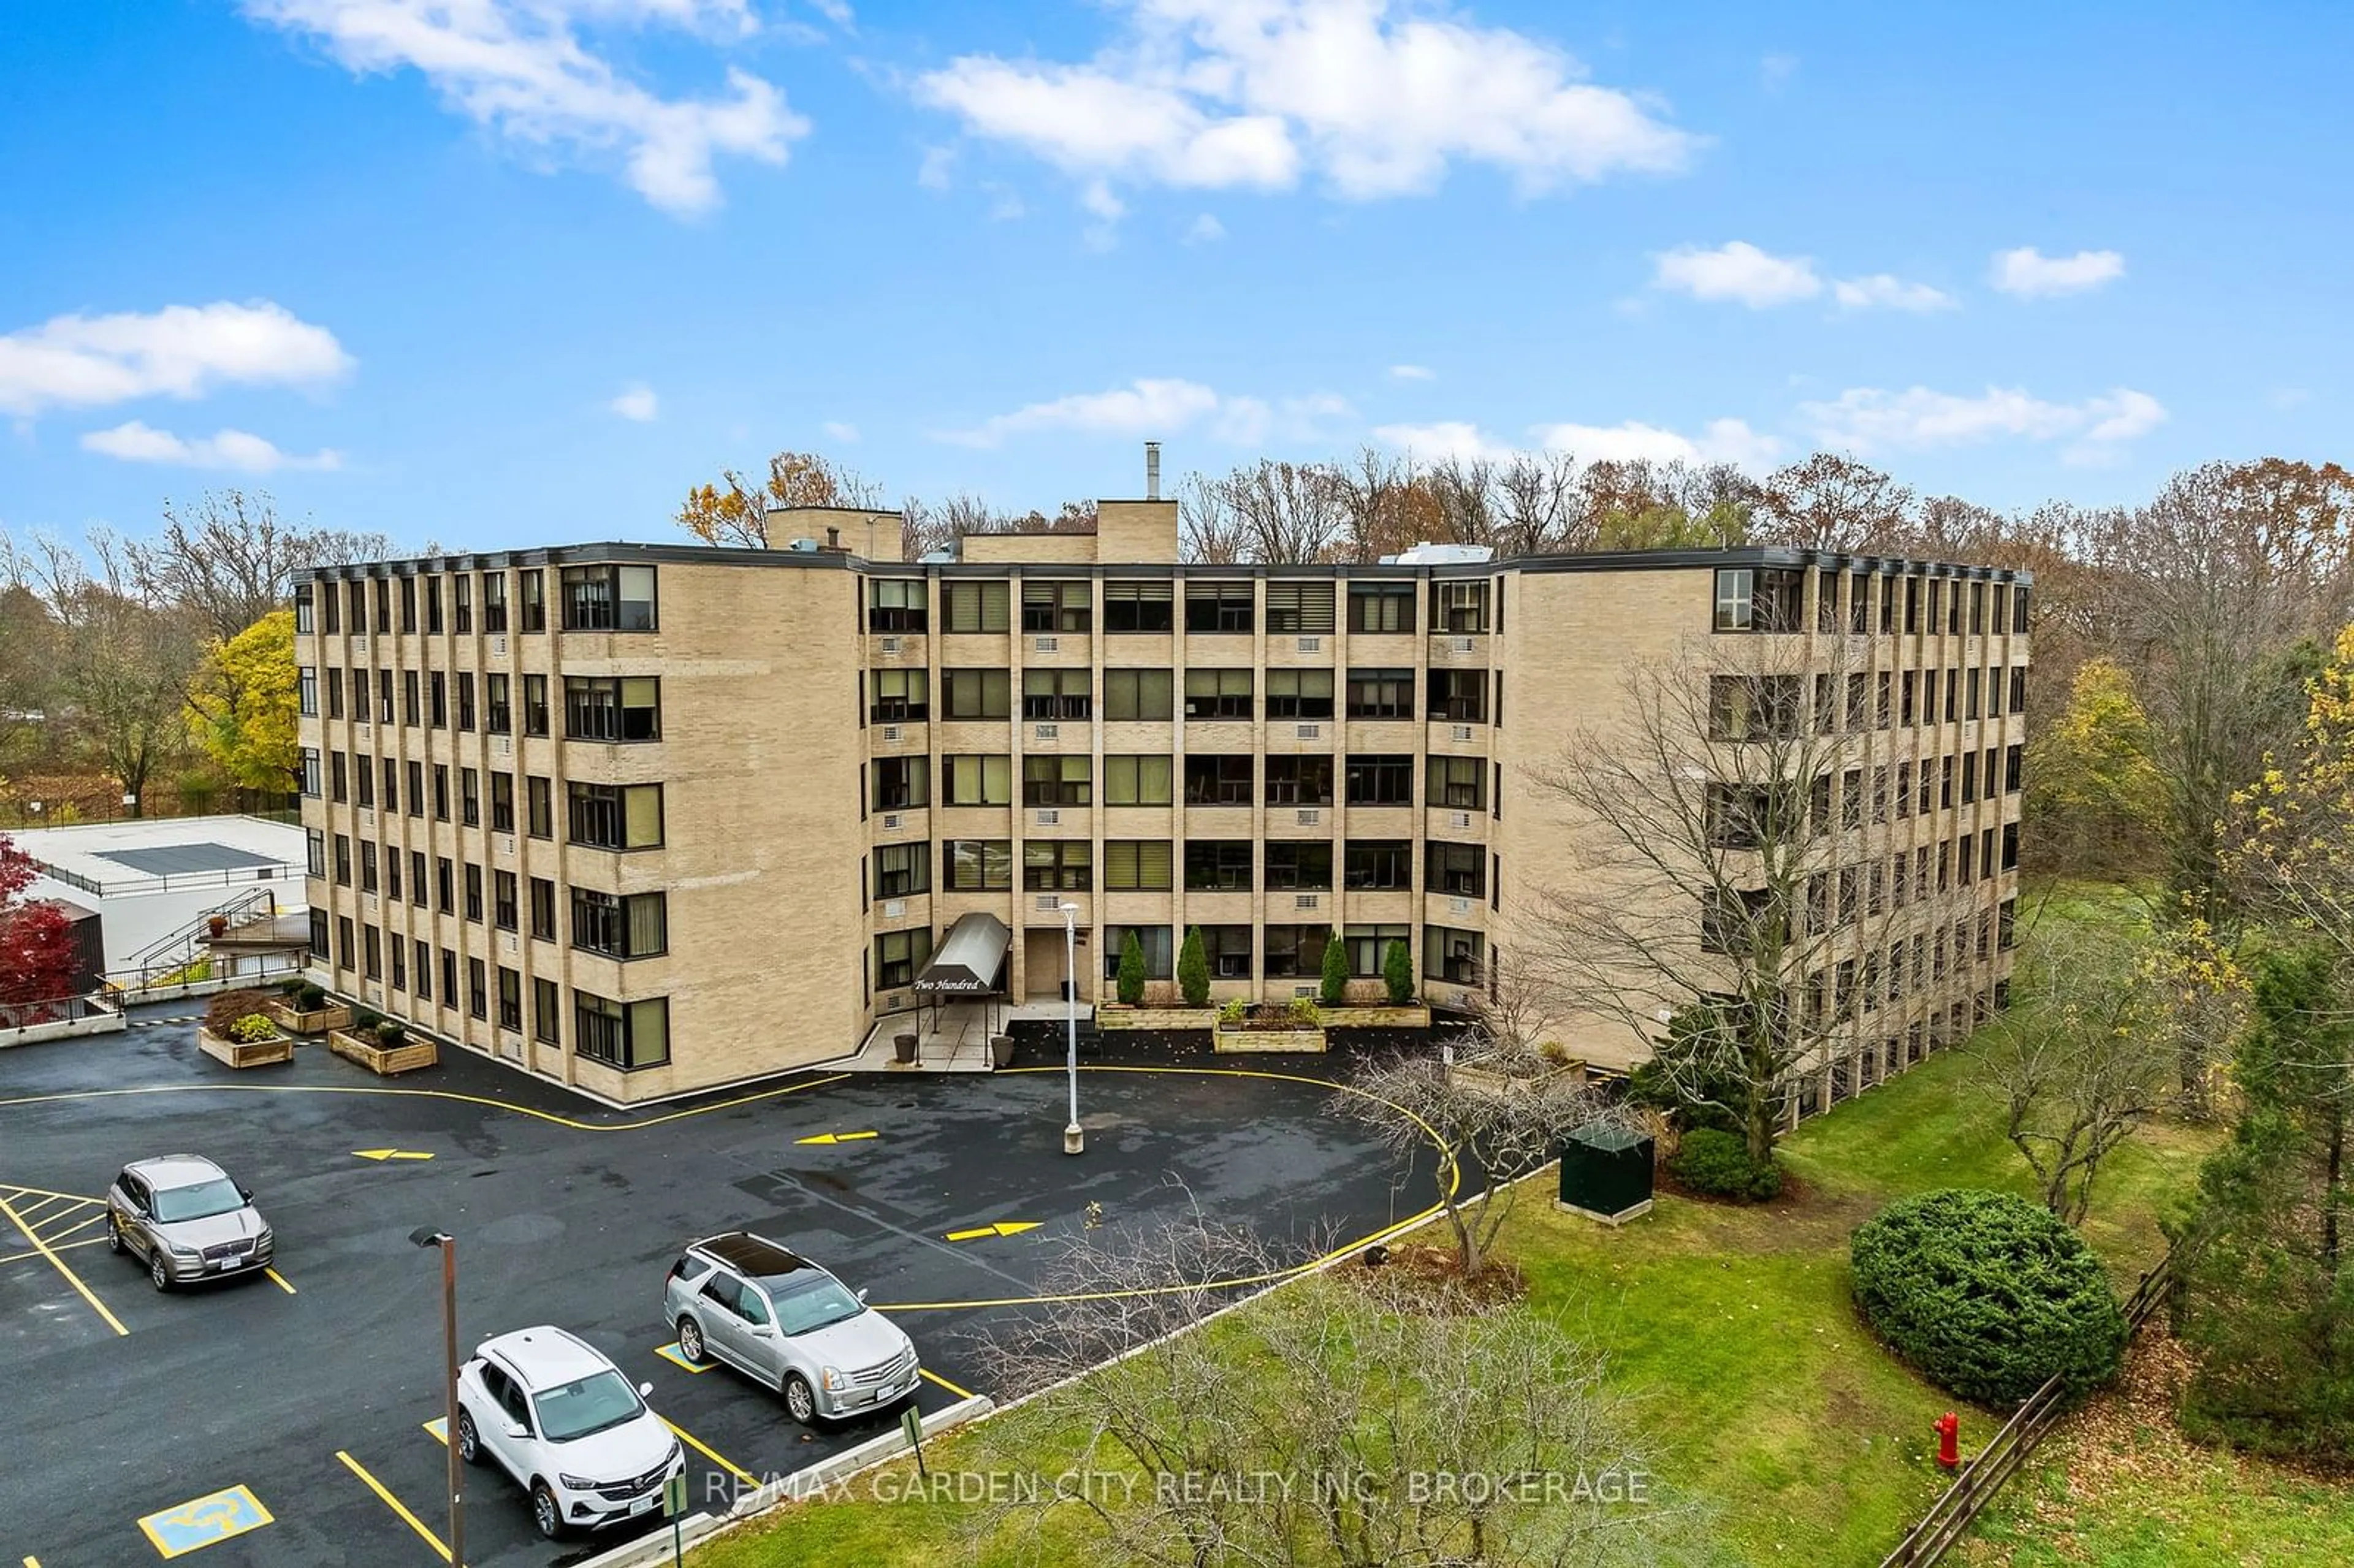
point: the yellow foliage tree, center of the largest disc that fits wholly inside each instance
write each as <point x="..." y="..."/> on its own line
<point x="2289" y="839"/>
<point x="243" y="705"/>
<point x="731" y="512"/>
<point x="2093" y="788"/>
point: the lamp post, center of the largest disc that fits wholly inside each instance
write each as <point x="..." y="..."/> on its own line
<point x="1075" y="1139"/>
<point x="426" y="1235"/>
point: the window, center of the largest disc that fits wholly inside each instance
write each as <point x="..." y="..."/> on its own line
<point x="410" y="709"/>
<point x="971" y="607"/>
<point x="534" y="705"/>
<point x="2013" y="760"/>
<point x="1139" y="607"/>
<point x="315" y="844"/>
<point x="334" y="693"/>
<point x="302" y="617"/>
<point x="1450" y="955"/>
<point x="367" y="866"/>
<point x="2009" y="846"/>
<point x="1228" y="948"/>
<point x="542" y="909"/>
<point x="470" y="798"/>
<point x="1136" y="781"/>
<point x="473" y="892"/>
<point x="364" y="777"/>
<point x="417" y="877"/>
<point x="382" y="605"/>
<point x="531" y="589"/>
<point x="1213" y="606"/>
<point x="1380" y="781"/>
<point x="1459" y="607"/>
<point x="494" y="601"/>
<point x="1376" y="609"/>
<point x="1377" y="865"/>
<point x="338" y="776"/>
<point x="902" y="783"/>
<point x="978" y="865"/>
<point x="1739" y="815"/>
<point x="449" y="978"/>
<point x="899" y="956"/>
<point x="2019" y="688"/>
<point x="1057" y="693"/>
<point x="616" y="816"/>
<point x="359" y="696"/>
<point x="977" y="694"/>
<point x="2018" y="608"/>
<point x="504" y="913"/>
<point x="465" y="699"/>
<point x="1303" y="865"/>
<point x="635" y="926"/>
<point x="306" y="689"/>
<point x="1137" y="865"/>
<point x="329" y="604"/>
<point x="613" y="707"/>
<point x="1381" y="694"/>
<point x="503" y="819"/>
<point x="384" y="696"/>
<point x="1058" y="866"/>
<point x="977" y="781"/>
<point x="1754" y="707"/>
<point x="1296" y="950"/>
<point x="372" y="945"/>
<point x="441" y="792"/>
<point x="498" y="713"/>
<point x="445" y="881"/>
<point x="1754" y="599"/>
<point x="1218" y="865"/>
<point x="901" y="696"/>
<point x="1299" y="780"/>
<point x="621" y="1034"/>
<point x="1058" y="606"/>
<point x="1299" y="608"/>
<point x="1369" y="944"/>
<point x="539" y="807"/>
<point x="1459" y="783"/>
<point x="1730" y="924"/>
<point x="547" y="1011"/>
<point x="1138" y="694"/>
<point x="1153" y="939"/>
<point x="311" y="771"/>
<point x="1460" y="869"/>
<point x="1057" y="780"/>
<point x="1215" y="780"/>
<point x="1217" y="694"/>
<point x="462" y="602"/>
<point x="436" y="686"/>
<point x="1459" y="696"/>
<point x="433" y="592"/>
<point x="896" y="605"/>
<point x="1299" y="694"/>
<point x="399" y="952"/>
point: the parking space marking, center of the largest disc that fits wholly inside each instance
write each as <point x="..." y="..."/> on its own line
<point x="536" y="1115"/>
<point x="384" y="1154"/>
<point x="57" y="1262"/>
<point x="205" y="1521"/>
<point x="395" y="1504"/>
<point x="280" y="1280"/>
<point x="56" y="1236"/>
<point x="671" y="1354"/>
<point x="932" y="1376"/>
<point x="67" y="1247"/>
<point x="738" y="1471"/>
<point x="439" y="1429"/>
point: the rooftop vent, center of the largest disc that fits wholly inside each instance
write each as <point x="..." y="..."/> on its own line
<point x="1152" y="470"/>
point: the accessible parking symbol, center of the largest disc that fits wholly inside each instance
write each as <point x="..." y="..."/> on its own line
<point x="214" y="1518"/>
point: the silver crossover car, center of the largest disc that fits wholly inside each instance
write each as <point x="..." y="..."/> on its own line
<point x="184" y="1216"/>
<point x="778" y="1318"/>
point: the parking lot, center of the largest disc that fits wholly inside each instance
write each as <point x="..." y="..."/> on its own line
<point x="287" y="1419"/>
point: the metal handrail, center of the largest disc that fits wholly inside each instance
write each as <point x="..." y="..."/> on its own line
<point x="242" y="905"/>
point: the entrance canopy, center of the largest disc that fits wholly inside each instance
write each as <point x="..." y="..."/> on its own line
<point x="968" y="960"/>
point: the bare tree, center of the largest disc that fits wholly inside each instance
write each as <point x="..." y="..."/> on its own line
<point x="923" y="530"/>
<point x="1307" y="1427"/>
<point x="1269" y="512"/>
<point x="1537" y="509"/>
<point x="227" y="558"/>
<point x="1832" y="502"/>
<point x="1208" y="530"/>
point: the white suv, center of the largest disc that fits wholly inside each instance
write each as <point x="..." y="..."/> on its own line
<point x="560" y="1419"/>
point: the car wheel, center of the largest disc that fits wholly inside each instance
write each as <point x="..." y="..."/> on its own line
<point x="690" y="1342"/>
<point x="114" y="1234"/>
<point x="543" y="1511"/>
<point x="159" y="1273"/>
<point x="470" y="1441"/>
<point x="799" y="1401"/>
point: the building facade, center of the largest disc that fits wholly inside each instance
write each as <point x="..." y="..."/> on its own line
<point x="644" y="820"/>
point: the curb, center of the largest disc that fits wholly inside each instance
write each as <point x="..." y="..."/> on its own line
<point x="697" y="1528"/>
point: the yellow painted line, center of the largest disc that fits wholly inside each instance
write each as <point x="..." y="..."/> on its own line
<point x="395" y="1504"/>
<point x="439" y="1427"/>
<point x="741" y="1473"/>
<point x="280" y="1280"/>
<point x="71" y="1277"/>
<point x="53" y="1237"/>
<point x="30" y="1210"/>
<point x="452" y="1095"/>
<point x="15" y="1191"/>
<point x="380" y="1154"/>
<point x="670" y="1353"/>
<point x="829" y="1137"/>
<point x="932" y="1376"/>
<point x="65" y="1247"/>
<point x="32" y="1562"/>
<point x="1000" y="1228"/>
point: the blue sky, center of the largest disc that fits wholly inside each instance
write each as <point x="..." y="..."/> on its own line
<point x="496" y="272"/>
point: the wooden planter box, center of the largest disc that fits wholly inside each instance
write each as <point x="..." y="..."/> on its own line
<point x="1495" y="1083"/>
<point x="318" y="1021"/>
<point x="1412" y="1015"/>
<point x="242" y="1054"/>
<point x="1228" y="1040"/>
<point x="1112" y="1016"/>
<point x="413" y="1052"/>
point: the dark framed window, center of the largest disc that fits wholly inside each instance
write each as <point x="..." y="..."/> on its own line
<point x="311" y="783"/>
<point x="1381" y="694"/>
<point x="539" y="807"/>
<point x="1300" y="865"/>
<point x="1457" y="783"/>
<point x="531" y="591"/>
<point x="423" y="955"/>
<point x="1218" y="607"/>
<point x="1459" y="696"/>
<point x="505" y="911"/>
<point x="304" y="618"/>
<point x="1369" y="944"/>
<point x="465" y="699"/>
<point x="502" y="803"/>
<point x="902" y="783"/>
<point x="1138" y="780"/>
<point x="1138" y="694"/>
<point x="1755" y="707"/>
<point x="473" y="892"/>
<point x="1759" y="598"/>
<point x="534" y="705"/>
<point x="975" y="607"/>
<point x="1460" y="606"/>
<point x="616" y="816"/>
<point x="367" y="866"/>
<point x="1451" y="955"/>
<point x="901" y="696"/>
<point x="977" y="779"/>
<point x="415" y="792"/>
<point x="1378" y="608"/>
<point x="614" y="708"/>
<point x="1056" y="781"/>
<point x="1138" y="866"/>
<point x="546" y="1011"/>
<point x="900" y="957"/>
<point x="1218" y="865"/>
<point x="1299" y="694"/>
<point x="1301" y="609"/>
<point x="1214" y="779"/>
<point x="1299" y="780"/>
<point x="631" y="926"/>
<point x="902" y="869"/>
<point x="625" y="1035"/>
<point x="1218" y="694"/>
<point x="896" y="605"/>
<point x="1296" y="951"/>
<point x="470" y="798"/>
<point x="1228" y="950"/>
<point x="1459" y="869"/>
<point x="363" y="779"/>
<point x="608" y="598"/>
<point x="978" y="865"/>
<point x="432" y="590"/>
<point x="494" y="601"/>
<point x="977" y="694"/>
<point x="1058" y="606"/>
<point x="542" y="909"/>
<point x="1377" y="865"/>
<point x="1380" y="781"/>
<point x="1057" y="693"/>
<point x="1058" y="866"/>
<point x="498" y="710"/>
<point x="477" y="989"/>
<point x="1154" y="940"/>
<point x="1139" y="607"/>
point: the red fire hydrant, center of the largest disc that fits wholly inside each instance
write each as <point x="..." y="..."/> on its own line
<point x="1949" y="1430"/>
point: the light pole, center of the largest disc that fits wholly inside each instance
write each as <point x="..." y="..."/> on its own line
<point x="1075" y="1139"/>
<point x="426" y="1235"/>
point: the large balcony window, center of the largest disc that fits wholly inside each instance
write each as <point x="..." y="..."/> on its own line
<point x="608" y="598"/>
<point x="613" y="707"/>
<point x="625" y="1035"/>
<point x="616" y="816"/>
<point x="1751" y="599"/>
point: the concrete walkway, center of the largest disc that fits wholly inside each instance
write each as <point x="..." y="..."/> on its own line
<point x="956" y="1040"/>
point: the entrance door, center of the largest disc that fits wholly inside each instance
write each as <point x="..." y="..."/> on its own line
<point x="1041" y="979"/>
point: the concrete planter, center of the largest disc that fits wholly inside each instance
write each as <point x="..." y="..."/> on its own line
<point x="1413" y="1015"/>
<point x="414" y="1050"/>
<point x="1234" y="1040"/>
<point x="318" y="1021"/>
<point x="1495" y="1083"/>
<point x="243" y="1053"/>
<point x="1113" y="1015"/>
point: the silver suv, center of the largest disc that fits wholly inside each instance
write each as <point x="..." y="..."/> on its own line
<point x="777" y="1316"/>
<point x="188" y="1219"/>
<point x="558" y="1417"/>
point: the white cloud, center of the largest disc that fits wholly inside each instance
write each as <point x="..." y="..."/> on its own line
<point x="2031" y="275"/>
<point x="1099" y="200"/>
<point x="637" y="403"/>
<point x="246" y="453"/>
<point x="836" y="12"/>
<point x="1411" y="372"/>
<point x="181" y="351"/>
<point x="932" y="173"/>
<point x="1868" y="419"/>
<point x="1737" y="272"/>
<point x="1375" y="98"/>
<point x="1151" y="408"/>
<point x="1721" y="440"/>
<point x="1205" y="230"/>
<point x="1882" y="291"/>
<point x="521" y="68"/>
<point x="836" y="430"/>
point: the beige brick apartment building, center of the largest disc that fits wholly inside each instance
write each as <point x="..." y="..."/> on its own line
<point x="649" y="819"/>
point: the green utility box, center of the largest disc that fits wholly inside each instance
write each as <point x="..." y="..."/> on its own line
<point x="1605" y="1173"/>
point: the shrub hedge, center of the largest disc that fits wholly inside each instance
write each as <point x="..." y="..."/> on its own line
<point x="1715" y="1162"/>
<point x="1986" y="1294"/>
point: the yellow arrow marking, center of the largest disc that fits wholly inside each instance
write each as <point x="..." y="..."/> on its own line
<point x="382" y="1154"/>
<point x="1001" y="1228"/>
<point x="837" y="1138"/>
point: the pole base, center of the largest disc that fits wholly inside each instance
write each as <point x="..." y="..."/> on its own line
<point x="1075" y="1139"/>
